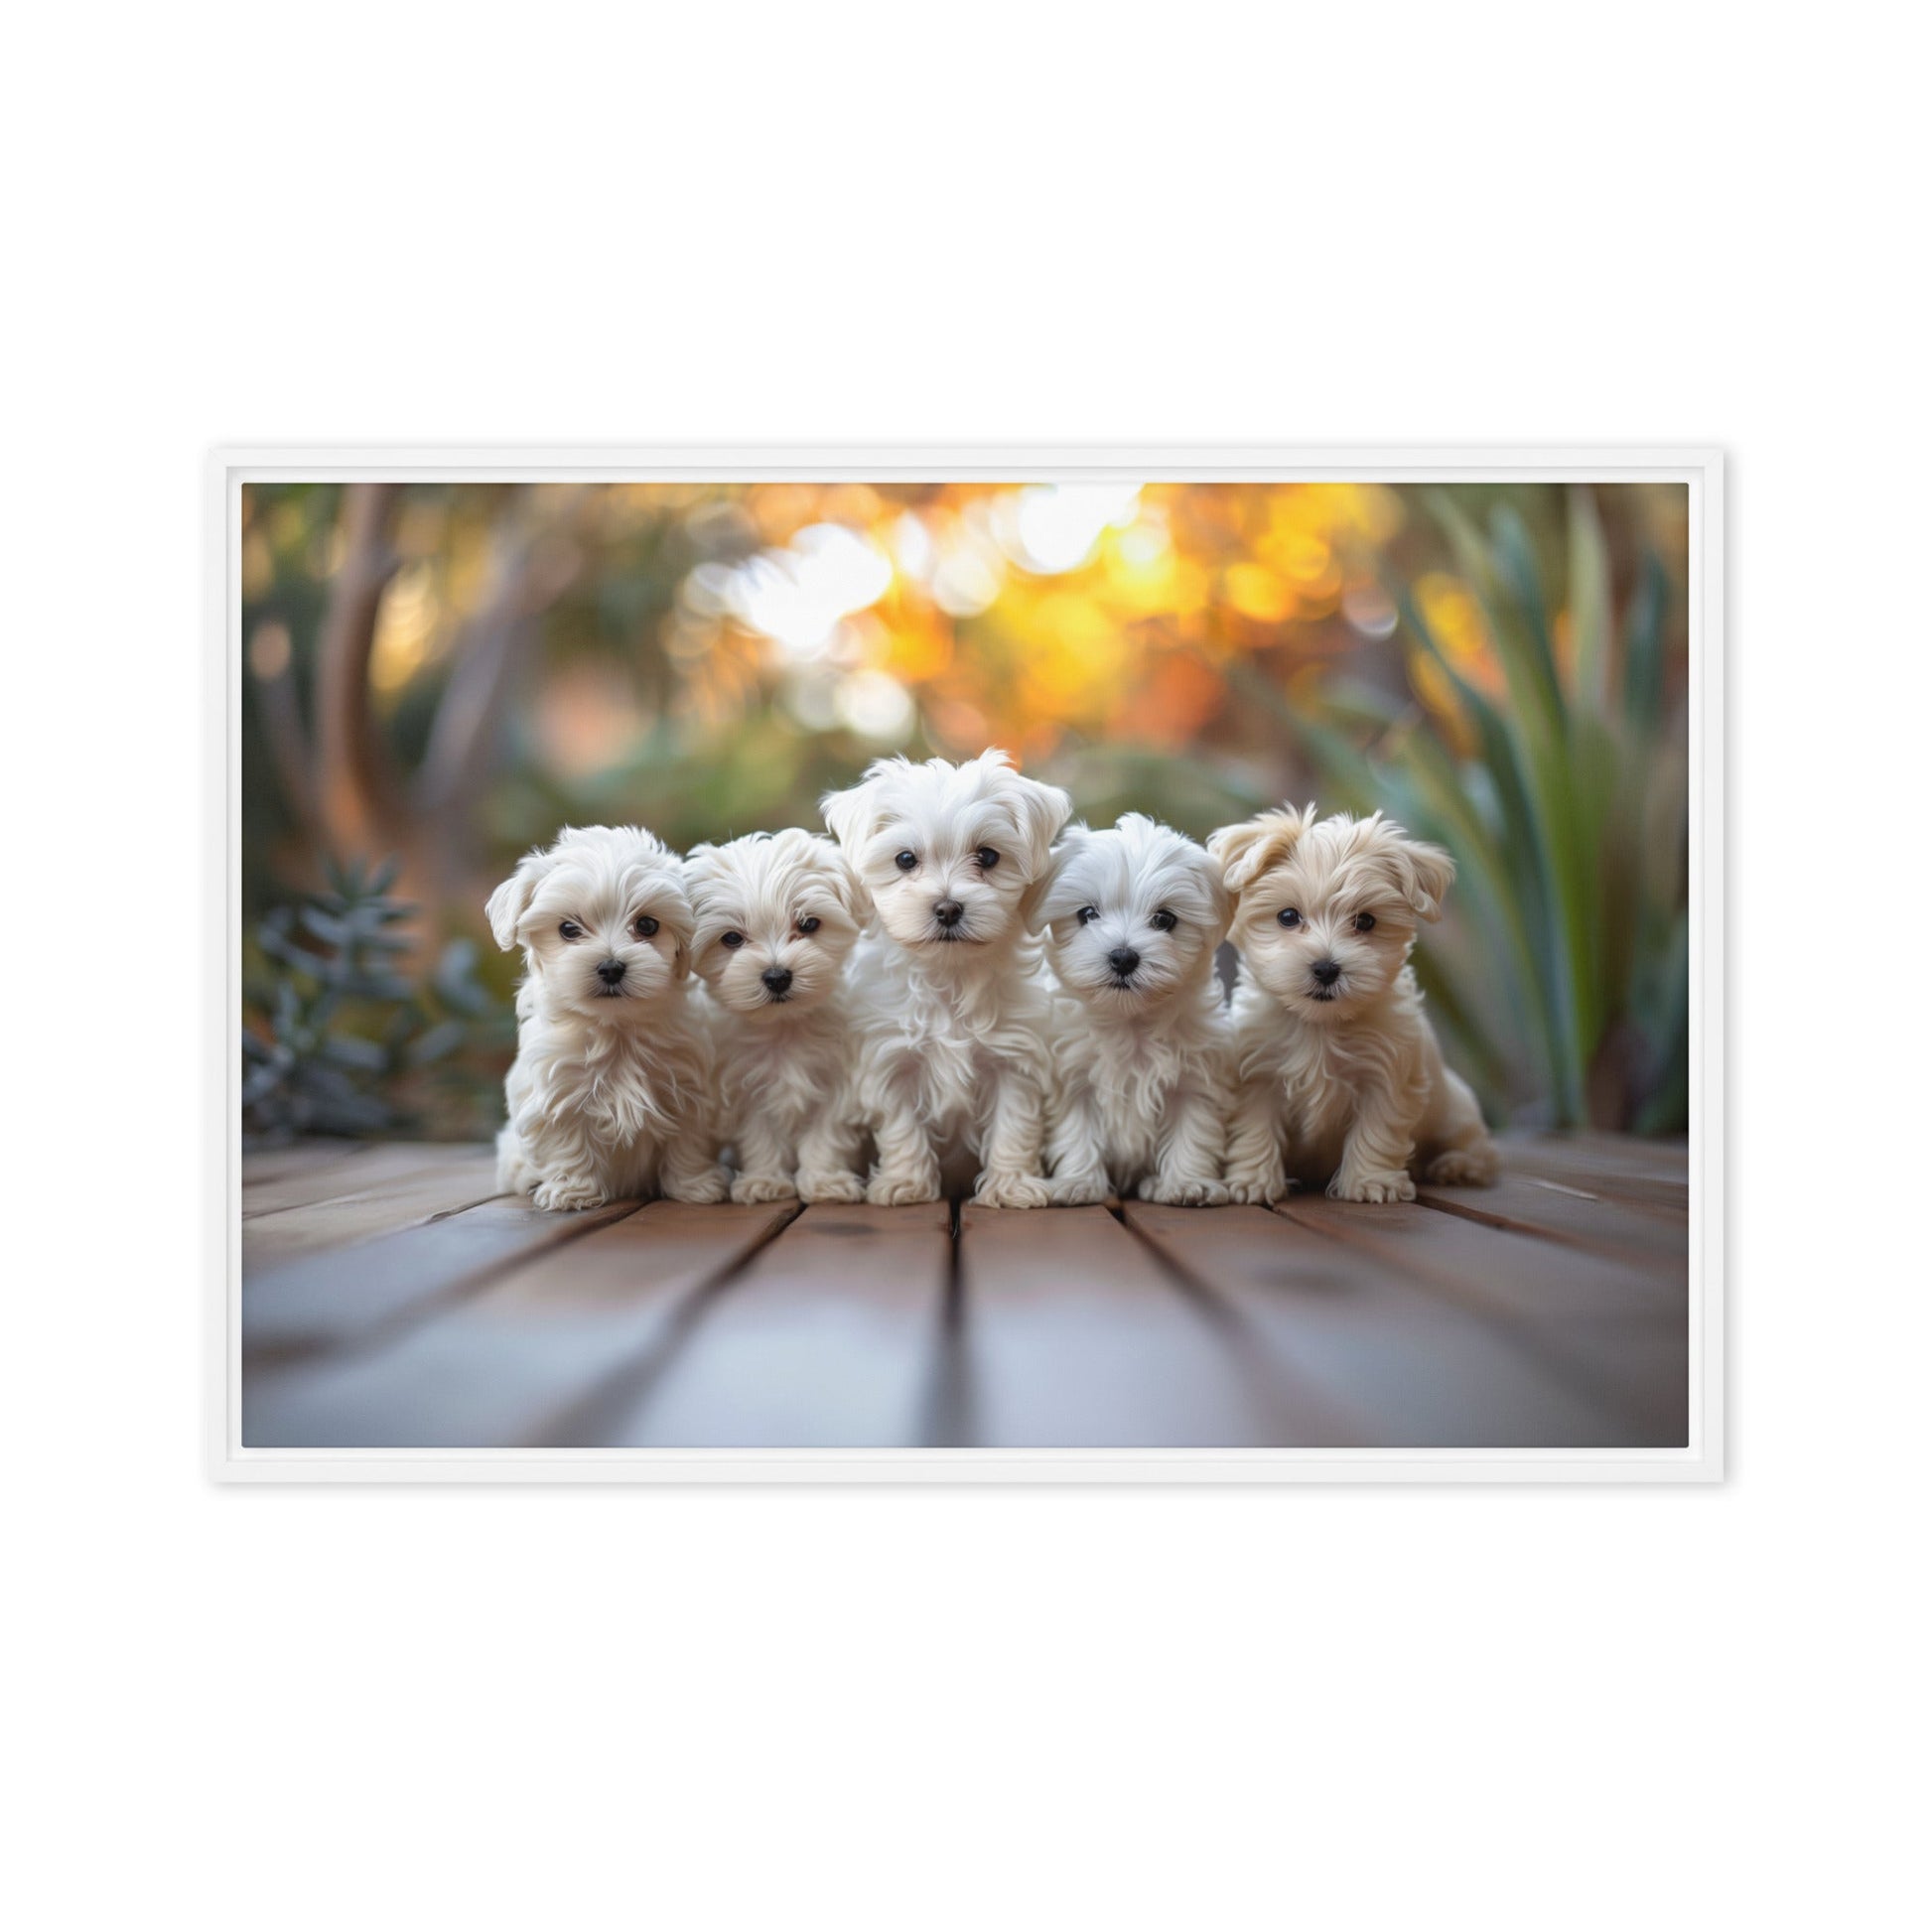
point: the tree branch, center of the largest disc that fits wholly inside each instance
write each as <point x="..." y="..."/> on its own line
<point x="355" y="787"/>
<point x="536" y="562"/>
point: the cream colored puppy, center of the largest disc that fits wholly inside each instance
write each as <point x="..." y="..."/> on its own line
<point x="777" y="916"/>
<point x="953" y="1062"/>
<point x="1341" y="1082"/>
<point x="1140" y="1082"/>
<point x="610" y="1095"/>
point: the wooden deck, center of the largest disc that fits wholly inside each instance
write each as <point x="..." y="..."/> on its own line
<point x="392" y="1299"/>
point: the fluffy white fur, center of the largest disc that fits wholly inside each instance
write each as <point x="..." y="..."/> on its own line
<point x="952" y="1054"/>
<point x="777" y="914"/>
<point x="610" y="1093"/>
<point x="1139" y="1049"/>
<point x="1341" y="1080"/>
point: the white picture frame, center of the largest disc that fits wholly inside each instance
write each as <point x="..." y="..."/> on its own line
<point x="1700" y="469"/>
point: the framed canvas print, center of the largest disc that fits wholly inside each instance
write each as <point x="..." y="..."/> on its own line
<point x="967" y="964"/>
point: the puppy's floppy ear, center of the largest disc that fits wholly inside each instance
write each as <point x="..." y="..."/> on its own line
<point x="701" y="867"/>
<point x="683" y="922"/>
<point x="511" y="900"/>
<point x="1424" y="874"/>
<point x="1223" y="902"/>
<point x="822" y="857"/>
<point x="1257" y="845"/>
<point x="852" y="815"/>
<point x="1040" y="811"/>
<point x="843" y="880"/>
<point x="1036" y="900"/>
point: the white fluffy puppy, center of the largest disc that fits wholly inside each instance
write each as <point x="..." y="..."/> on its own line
<point x="776" y="913"/>
<point x="953" y="1065"/>
<point x="1341" y="1082"/>
<point x="1139" y="1049"/>
<point x="610" y="1095"/>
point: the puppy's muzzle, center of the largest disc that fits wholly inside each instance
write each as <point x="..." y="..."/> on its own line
<point x="949" y="912"/>
<point x="610" y="972"/>
<point x="1125" y="962"/>
<point x="1324" y="973"/>
<point x="777" y="981"/>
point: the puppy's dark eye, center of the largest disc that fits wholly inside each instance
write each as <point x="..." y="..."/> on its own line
<point x="808" y="925"/>
<point x="1364" y="921"/>
<point x="571" y="929"/>
<point x="1288" y="916"/>
<point x="987" y="858"/>
<point x="643" y="926"/>
<point x="1162" y="921"/>
<point x="907" y="861"/>
<point x="731" y="941"/>
<point x="1088" y="915"/>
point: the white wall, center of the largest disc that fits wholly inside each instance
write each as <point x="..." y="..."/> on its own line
<point x="1403" y="223"/>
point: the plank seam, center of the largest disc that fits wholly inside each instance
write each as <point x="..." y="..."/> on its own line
<point x="1507" y="1224"/>
<point x="946" y="1414"/>
<point x="1442" y="1287"/>
<point x="370" y="1193"/>
<point x="627" y="1385"/>
<point x="279" y="1354"/>
<point x="1221" y="1312"/>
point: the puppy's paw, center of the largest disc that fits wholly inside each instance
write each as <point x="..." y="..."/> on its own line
<point x="1078" y="1189"/>
<point x="567" y="1194"/>
<point x="1184" y="1190"/>
<point x="1257" y="1189"/>
<point x="899" y="1189"/>
<point x="1465" y="1166"/>
<point x="1373" y="1186"/>
<point x="832" y="1185"/>
<point x="705" y="1189"/>
<point x="750" y="1188"/>
<point x="1014" y="1191"/>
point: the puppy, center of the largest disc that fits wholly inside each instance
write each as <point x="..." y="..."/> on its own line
<point x="610" y="1095"/>
<point x="1140" y="1048"/>
<point x="952" y="1066"/>
<point x="775" y="915"/>
<point x="1337" y="1065"/>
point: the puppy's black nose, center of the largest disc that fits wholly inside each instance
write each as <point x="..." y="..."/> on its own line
<point x="949" y="912"/>
<point x="1327" y="971"/>
<point x="778" y="978"/>
<point x="609" y="971"/>
<point x="1123" y="959"/>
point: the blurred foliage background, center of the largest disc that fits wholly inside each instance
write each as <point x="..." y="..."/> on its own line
<point x="439" y="676"/>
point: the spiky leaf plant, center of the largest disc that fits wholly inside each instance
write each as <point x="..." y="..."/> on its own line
<point x="1566" y="814"/>
<point x="334" y="1026"/>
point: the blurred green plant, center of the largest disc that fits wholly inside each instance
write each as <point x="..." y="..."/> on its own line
<point x="334" y="1028"/>
<point x="1567" y="818"/>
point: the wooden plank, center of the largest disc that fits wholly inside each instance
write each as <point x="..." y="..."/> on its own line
<point x="1397" y="1367"/>
<point x="1496" y="1271"/>
<point x="537" y="1354"/>
<point x="1603" y="1168"/>
<point x="1632" y="1153"/>
<point x="1620" y="1334"/>
<point x="1663" y="1198"/>
<point x="1642" y="1236"/>
<point x="1074" y="1333"/>
<point x="405" y="1197"/>
<point x="345" y="1178"/>
<point x="260" y="1166"/>
<point x="832" y="1338"/>
<point x="348" y="1297"/>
